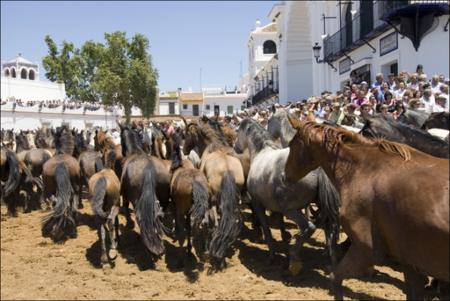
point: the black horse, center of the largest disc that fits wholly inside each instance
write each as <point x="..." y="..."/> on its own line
<point x="379" y="127"/>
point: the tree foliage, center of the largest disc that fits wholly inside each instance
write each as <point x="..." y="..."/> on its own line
<point x="120" y="71"/>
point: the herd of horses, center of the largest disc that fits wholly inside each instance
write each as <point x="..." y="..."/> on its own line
<point x="386" y="186"/>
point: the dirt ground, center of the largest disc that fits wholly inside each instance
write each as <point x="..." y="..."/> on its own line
<point x="33" y="267"/>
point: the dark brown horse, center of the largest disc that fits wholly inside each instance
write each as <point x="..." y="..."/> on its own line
<point x="104" y="189"/>
<point x="394" y="201"/>
<point x="190" y="194"/>
<point x="10" y="176"/>
<point x="138" y="186"/>
<point x="61" y="176"/>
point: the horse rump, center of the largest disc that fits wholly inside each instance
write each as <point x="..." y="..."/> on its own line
<point x="230" y="222"/>
<point x="14" y="174"/>
<point x="148" y="213"/>
<point x="61" y="220"/>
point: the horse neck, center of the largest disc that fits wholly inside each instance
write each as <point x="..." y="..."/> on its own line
<point x="20" y="148"/>
<point x="340" y="164"/>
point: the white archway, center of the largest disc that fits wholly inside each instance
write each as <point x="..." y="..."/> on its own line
<point x="6" y="72"/>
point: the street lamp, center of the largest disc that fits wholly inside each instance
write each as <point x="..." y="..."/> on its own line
<point x="316" y="51"/>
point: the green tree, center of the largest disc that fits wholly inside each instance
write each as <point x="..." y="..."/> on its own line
<point x="117" y="72"/>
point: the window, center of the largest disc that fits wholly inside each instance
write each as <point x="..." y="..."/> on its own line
<point x="195" y="110"/>
<point x="31" y="75"/>
<point x="207" y="107"/>
<point x="23" y="74"/>
<point x="13" y="72"/>
<point x="269" y="47"/>
<point x="230" y="110"/>
<point x="185" y="107"/>
<point x="7" y="72"/>
<point x="171" y="108"/>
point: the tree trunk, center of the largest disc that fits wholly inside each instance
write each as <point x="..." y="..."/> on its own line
<point x="127" y="114"/>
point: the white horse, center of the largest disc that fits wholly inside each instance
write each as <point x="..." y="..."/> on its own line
<point x="268" y="190"/>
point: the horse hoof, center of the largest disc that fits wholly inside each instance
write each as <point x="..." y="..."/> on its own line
<point x="103" y="259"/>
<point x="295" y="266"/>
<point x="112" y="254"/>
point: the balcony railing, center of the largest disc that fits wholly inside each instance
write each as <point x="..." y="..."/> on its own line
<point x="265" y="93"/>
<point x="365" y="27"/>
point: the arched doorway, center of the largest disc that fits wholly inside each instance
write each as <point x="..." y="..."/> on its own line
<point x="23" y="73"/>
<point x="348" y="26"/>
<point x="13" y="73"/>
<point x="7" y="73"/>
<point x="31" y="75"/>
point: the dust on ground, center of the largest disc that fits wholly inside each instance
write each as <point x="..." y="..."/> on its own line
<point x="33" y="267"/>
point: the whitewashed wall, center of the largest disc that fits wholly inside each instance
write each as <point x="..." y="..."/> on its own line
<point x="31" y="89"/>
<point x="164" y="106"/>
<point x="223" y="101"/>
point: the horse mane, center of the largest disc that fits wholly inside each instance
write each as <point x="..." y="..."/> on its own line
<point x="130" y="142"/>
<point x="257" y="134"/>
<point x="333" y="137"/>
<point x="176" y="158"/>
<point x="218" y="127"/>
<point x="64" y="141"/>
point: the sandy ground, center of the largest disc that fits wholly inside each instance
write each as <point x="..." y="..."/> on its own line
<point x="33" y="267"/>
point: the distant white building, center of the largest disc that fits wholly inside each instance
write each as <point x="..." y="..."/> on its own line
<point x="221" y="102"/>
<point x="356" y="39"/>
<point x="168" y="103"/>
<point x="20" y="80"/>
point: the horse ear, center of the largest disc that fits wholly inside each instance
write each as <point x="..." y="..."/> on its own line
<point x="293" y="121"/>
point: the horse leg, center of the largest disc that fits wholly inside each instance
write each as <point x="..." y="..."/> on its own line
<point x="112" y="231"/>
<point x="180" y="235"/>
<point x="28" y="187"/>
<point x="285" y="235"/>
<point x="188" y="234"/>
<point x="414" y="284"/>
<point x="80" y="193"/>
<point x="260" y="212"/>
<point x="307" y="228"/>
<point x="130" y="223"/>
<point x="103" y="258"/>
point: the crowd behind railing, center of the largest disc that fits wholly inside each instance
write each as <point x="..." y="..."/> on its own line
<point x="65" y="105"/>
<point x="392" y="96"/>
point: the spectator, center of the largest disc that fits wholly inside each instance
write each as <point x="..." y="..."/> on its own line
<point x="427" y="100"/>
<point x="419" y="69"/>
<point x="441" y="104"/>
<point x="348" y="116"/>
<point x="435" y="84"/>
<point x="379" y="80"/>
<point x="399" y="109"/>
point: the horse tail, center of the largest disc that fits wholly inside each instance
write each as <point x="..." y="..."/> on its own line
<point x="30" y="179"/>
<point x="98" y="195"/>
<point x="98" y="164"/>
<point x="14" y="174"/>
<point x="148" y="213"/>
<point x="200" y="196"/>
<point x="230" y="219"/>
<point x="329" y="203"/>
<point x="61" y="218"/>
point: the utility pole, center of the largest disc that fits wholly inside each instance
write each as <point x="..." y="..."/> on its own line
<point x="201" y="88"/>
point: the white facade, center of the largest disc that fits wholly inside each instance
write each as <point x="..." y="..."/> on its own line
<point x="262" y="46"/>
<point x="300" y="25"/>
<point x="226" y="104"/>
<point x="20" y="80"/>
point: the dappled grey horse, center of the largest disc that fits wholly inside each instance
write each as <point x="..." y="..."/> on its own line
<point x="268" y="190"/>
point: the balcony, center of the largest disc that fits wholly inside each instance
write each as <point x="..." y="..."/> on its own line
<point x="372" y="22"/>
<point x="264" y="94"/>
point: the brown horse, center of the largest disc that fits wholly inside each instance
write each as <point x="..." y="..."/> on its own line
<point x="138" y="186"/>
<point x="61" y="176"/>
<point x="190" y="193"/>
<point x="10" y="176"/>
<point x="104" y="189"/>
<point x="226" y="179"/>
<point x="394" y="201"/>
<point x="104" y="143"/>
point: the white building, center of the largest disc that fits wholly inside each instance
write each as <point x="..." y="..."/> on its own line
<point x="361" y="38"/>
<point x="262" y="75"/>
<point x="219" y="101"/>
<point x="20" y="80"/>
<point x="168" y="103"/>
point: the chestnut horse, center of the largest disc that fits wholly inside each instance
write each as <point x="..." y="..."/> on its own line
<point x="394" y="201"/>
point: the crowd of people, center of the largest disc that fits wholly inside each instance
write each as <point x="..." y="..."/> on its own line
<point x="413" y="91"/>
<point x="64" y="104"/>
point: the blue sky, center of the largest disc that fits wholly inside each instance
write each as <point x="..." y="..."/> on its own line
<point x="184" y="36"/>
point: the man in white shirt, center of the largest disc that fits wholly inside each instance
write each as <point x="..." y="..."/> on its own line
<point x="427" y="100"/>
<point x="435" y="84"/>
<point x="441" y="104"/>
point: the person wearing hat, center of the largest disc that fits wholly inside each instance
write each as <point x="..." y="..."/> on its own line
<point x="348" y="116"/>
<point x="441" y="104"/>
